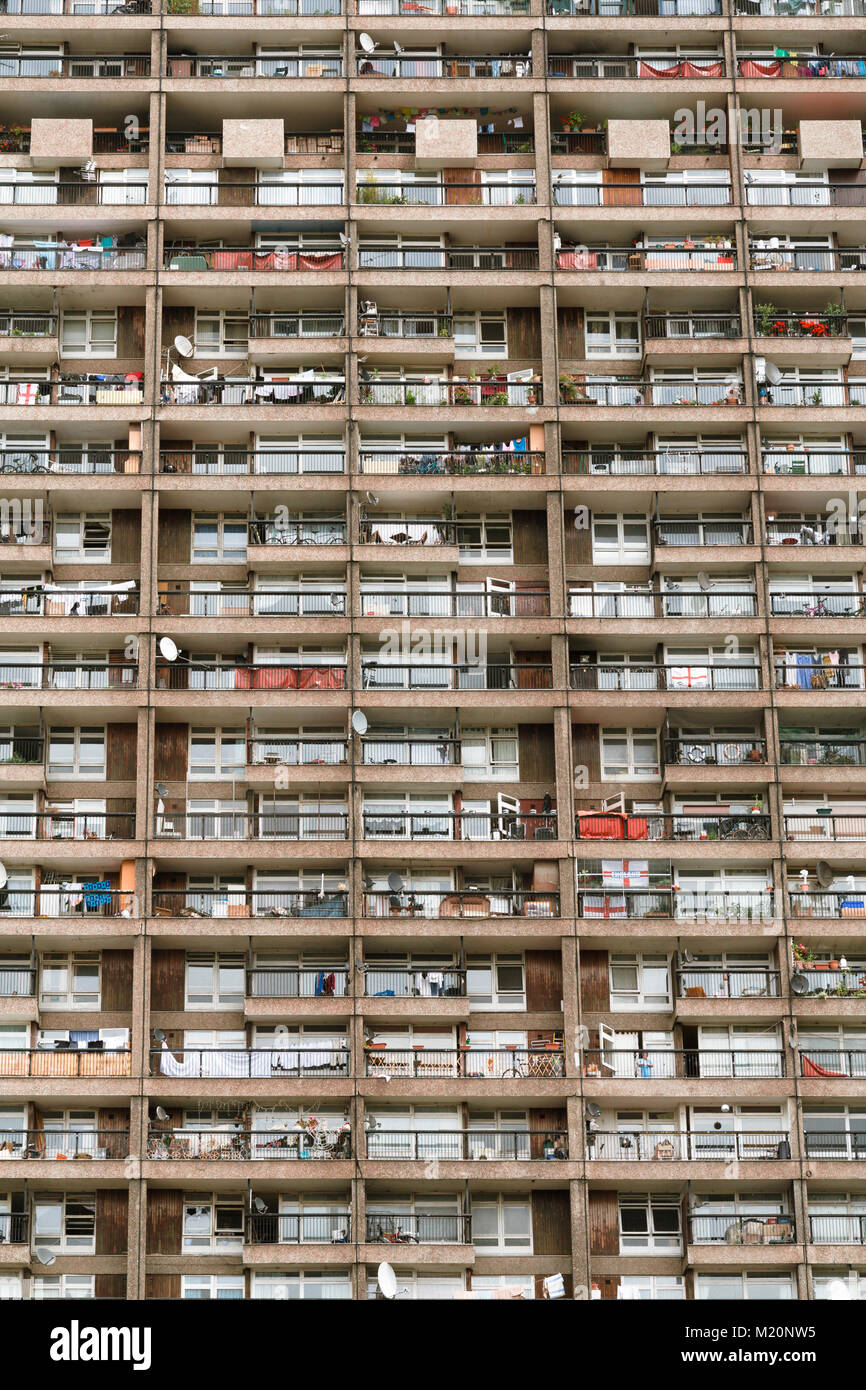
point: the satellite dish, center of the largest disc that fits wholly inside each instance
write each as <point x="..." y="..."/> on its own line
<point x="372" y="499"/>
<point x="824" y="873"/>
<point x="168" y="648"/>
<point x="4" y="877"/>
<point x="387" y="1280"/>
<point x="799" y="984"/>
<point x="686" y="956"/>
<point x="260" y="1205"/>
<point x="44" y="1256"/>
<point x="774" y="376"/>
<point x="161" y="1114"/>
<point x="183" y="347"/>
<point x="395" y="883"/>
<point x="161" y="789"/>
<point x="704" y="581"/>
<point x="593" y="1109"/>
<point x="398" y="48"/>
<point x="344" y="240"/>
<point x="336" y="600"/>
<point x="359" y="722"/>
<point x="838" y="1291"/>
<point x="366" y="43"/>
<point x="159" y="1034"/>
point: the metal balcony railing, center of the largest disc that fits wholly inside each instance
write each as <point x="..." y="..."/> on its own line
<point x="688" y="326"/>
<point x="324" y="390"/>
<point x="492" y="258"/>
<point x="17" y="983"/>
<point x="503" y="1146"/>
<point x="781" y="324"/>
<point x="205" y="192"/>
<point x="14" y="1228"/>
<point x="805" y="65"/>
<point x="293" y="982"/>
<point x="424" y="530"/>
<point x="241" y="1145"/>
<point x="440" y="982"/>
<point x="833" y="1146"/>
<point x="664" y="604"/>
<point x="67" y="825"/>
<point x="651" y="676"/>
<point x="681" y="904"/>
<point x="755" y="141"/>
<point x="385" y="675"/>
<point x="76" y="65"/>
<point x="815" y="463"/>
<point x="731" y="531"/>
<point x="14" y="324"/>
<point x="303" y="324"/>
<point x="564" y="142"/>
<point x="69" y="675"/>
<point x="634" y="392"/>
<point x="807" y="258"/>
<point x="488" y="194"/>
<point x="60" y="255"/>
<point x="612" y="8"/>
<point x="248" y="825"/>
<point x="104" y="192"/>
<point x="271" y="9"/>
<point x="298" y="1057"/>
<point x="65" y="1061"/>
<point x="200" y="675"/>
<point x="837" y="1230"/>
<point x="421" y="603"/>
<point x="243" y="65"/>
<point x="699" y="982"/>
<point x="453" y="825"/>
<point x="47" y="1144"/>
<point x="714" y="752"/>
<point x="270" y="749"/>
<point x="467" y="392"/>
<point x="825" y="827"/>
<point x="654" y="1064"/>
<point x="657" y="826"/>
<point x="253" y="603"/>
<point x="638" y="1146"/>
<point x="55" y="900"/>
<point x="453" y="9"/>
<point x="193" y="257"/>
<point x="732" y="1228"/>
<point x="53" y="601"/>
<point x="621" y="461"/>
<point x="826" y="9"/>
<point x="90" y="390"/>
<point x="461" y="903"/>
<point x="686" y="256"/>
<point x="816" y="675"/>
<point x="802" y="194"/>
<point x="619" y="194"/>
<point x="505" y="66"/>
<point x="225" y="461"/>
<point x="403" y="1228"/>
<point x="824" y="982"/>
<point x="309" y="531"/>
<point x="812" y="530"/>
<point x="827" y="751"/>
<point x="239" y="902"/>
<point x="466" y="462"/>
<point x="820" y="605"/>
<point x="814" y="394"/>
<point x="818" y="1062"/>
<point x="486" y="1064"/>
<point x="820" y="903"/>
<point x="394" y="323"/>
<point x="273" y="1228"/>
<point x="590" y="67"/>
<point x="383" y="750"/>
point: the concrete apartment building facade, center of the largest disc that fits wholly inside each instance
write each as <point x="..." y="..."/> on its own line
<point x="432" y="442"/>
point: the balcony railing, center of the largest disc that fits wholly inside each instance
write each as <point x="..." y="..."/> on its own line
<point x="612" y="8"/>
<point x="393" y="323"/>
<point x="488" y="194"/>
<point x="803" y="66"/>
<point x="439" y="982"/>
<point x="454" y="9"/>
<point x="689" y="326"/>
<point x="590" y="67"/>
<point x="703" y="533"/>
<point x="254" y="603"/>
<point x="578" y="142"/>
<point x="787" y="325"/>
<point x="503" y="1146"/>
<point x="379" y="675"/>
<point x="55" y="900"/>
<point x="810" y="259"/>
<point x="827" y="751"/>
<point x="454" y="825"/>
<point x="283" y="1228"/>
<point x="697" y="982"/>
<point x="490" y="1064"/>
<point x="637" y="1146"/>
<point x="816" y="675"/>
<point x="815" y="394"/>
<point x="650" y="677"/>
<point x="21" y="325"/>
<point x="200" y="675"/>
<point x="243" y="1145"/>
<point x="831" y="1146"/>
<point x="823" y="904"/>
<point x="814" y="463"/>
<point x="681" y="904"/>
<point x="819" y="605"/>
<point x="304" y="324"/>
<point x="269" y="750"/>
<point x="664" y="604"/>
<point x="65" y="1061"/>
<point x="824" y="982"/>
<point x="297" y="142"/>
<point x="67" y="825"/>
<point x="735" y="1229"/>
<point x="90" y="390"/>
<point x="204" y="192"/>
<point x="492" y="258"/>
<point x="239" y="902"/>
<point x="506" y="66"/>
<point x="424" y="530"/>
<point x="460" y="903"/>
<point x="634" y="392"/>
<point x="270" y="532"/>
<point x="401" y="1228"/>
<point x="690" y="256"/>
<point x="246" y="258"/>
<point x="652" y="1064"/>
<point x="105" y="192"/>
<point x="812" y="531"/>
<point x="242" y="65"/>
<point x="298" y="1057"/>
<point x="271" y="9"/>
<point x="600" y="826"/>
<point x="714" y="752"/>
<point x="420" y="603"/>
<point x="826" y="9"/>
<point x="818" y="1062"/>
<point x="466" y="392"/>
<point x="837" y="1230"/>
<point x="821" y="827"/>
<point x="69" y="675"/>
<point x="324" y="390"/>
<point x="292" y="982"/>
<point x="619" y="194"/>
<point x="381" y="750"/>
<point x="643" y="463"/>
<point x="246" y="825"/>
<point x="804" y="195"/>
<point x="227" y="461"/>
<point x="14" y="1228"/>
<point x="60" y="255"/>
<point x="466" y="462"/>
<point x="46" y="1144"/>
<point x="17" y="983"/>
<point x="52" y="601"/>
<point x="75" y="64"/>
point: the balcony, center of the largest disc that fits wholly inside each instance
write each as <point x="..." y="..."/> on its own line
<point x="211" y="142"/>
<point x="293" y="531"/>
<point x="694" y="533"/>
<point x="269" y="9"/>
<point x="691" y="327"/>
<point x="191" y="257"/>
<point x="272" y="1228"/>
<point x="837" y="1230"/>
<point x="567" y="142"/>
<point x="44" y="1145"/>
<point x="205" y="191"/>
<point x="423" y="531"/>
<point x="804" y="66"/>
<point x="683" y="905"/>
<point x="800" y="195"/>
<point x="485" y="1064"/>
<point x="80" y="65"/>
<point x="467" y="462"/>
<point x="843" y="1146"/>
<point x="441" y="676"/>
<point x="811" y="531"/>
<point x="451" y="66"/>
<point x="648" y="1064"/>
<point x="104" y="192"/>
<point x="29" y="336"/>
<point x="452" y="9"/>
<point x="288" y="982"/>
<point x="594" y="826"/>
<point x="714" y="752"/>
<point x="817" y="395"/>
<point x="824" y="982"/>
<point x="241" y="1146"/>
<point x="54" y="601"/>
<point x="250" y="826"/>
<point x="60" y="254"/>
<point x="782" y="324"/>
<point x="826" y="9"/>
<point x="91" y="389"/>
<point x="819" y="1062"/>
<point x="813" y="675"/>
<point x="819" y="826"/>
<point x="826" y="751"/>
<point x="823" y="904"/>
<point x="268" y="332"/>
<point x="457" y="826"/>
<point x="418" y="750"/>
<point x="460" y="903"/>
<point x="610" y="9"/>
<point x="732" y="1229"/>
<point x="677" y="257"/>
<point x="250" y="65"/>
<point x="255" y="603"/>
<point x="16" y="983"/>
<point x="212" y="903"/>
<point x="620" y="392"/>
<point x="71" y="825"/>
<point x="816" y="605"/>
<point x="651" y="676"/>
<point x="422" y="603"/>
<point x="57" y="900"/>
<point x="227" y="461"/>
<point x="395" y="191"/>
<point x="445" y="982"/>
<point x="69" y="675"/>
<point x="447" y="1228"/>
<point x="296" y="390"/>
<point x="466" y="1145"/>
<point x="240" y="676"/>
<point x="810" y="259"/>
<point x="472" y="258"/>
<point x="498" y="392"/>
<point x="619" y="194"/>
<point x="298" y="1058"/>
<point x="14" y="1230"/>
<point x="697" y="982"/>
<point x="65" y="1061"/>
<point x="617" y="67"/>
<point x="620" y="461"/>
<point x="662" y="1145"/>
<point x="274" y="750"/>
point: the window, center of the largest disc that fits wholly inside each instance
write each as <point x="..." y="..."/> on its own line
<point x="667" y="1287"/>
<point x="609" y="334"/>
<point x="214" y="981"/>
<point x="219" y="538"/>
<point x="212" y="1223"/>
<point x="303" y="1285"/>
<point x="486" y="537"/>
<point x="638" y="980"/>
<point x="50" y="1286"/>
<point x="744" y="1286"/>
<point x="481" y="335"/>
<point x="490" y="753"/>
<point x="82" y="537"/>
<point x="495" y="982"/>
<point x="216" y="752"/>
<point x="649" y="1224"/>
<point x="484" y="1286"/>
<point x="77" y="752"/>
<point x="221" y="333"/>
<point x="70" y="980"/>
<point x="64" y="1221"/>
<point x="620" y="540"/>
<point x="503" y="1225"/>
<point x="90" y="333"/>
<point x="207" y="1286"/>
<point x="629" y="753"/>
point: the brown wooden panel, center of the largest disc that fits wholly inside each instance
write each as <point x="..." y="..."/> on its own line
<point x="536" y="752"/>
<point x="121" y="752"/>
<point x="237" y="188"/>
<point x="578" y="541"/>
<point x="171" y="752"/>
<point x="162" y="1286"/>
<point x="543" y="1123"/>
<point x="569" y="323"/>
<point x="178" y="320"/>
<point x="586" y="749"/>
<point x="113" y="1126"/>
<point x="112" y="1214"/>
<point x="523" y="328"/>
<point x="116" y="981"/>
<point x="126" y="536"/>
<point x="130" y="331"/>
<point x="175" y="536"/>
<point x="109" y="1286"/>
<point x="529" y="532"/>
<point x="543" y="981"/>
<point x="461" y="193"/>
<point x="603" y="1223"/>
<point x="609" y="1286"/>
<point x="167" y="979"/>
<point x="594" y="981"/>
<point x="621" y="188"/>
<point x="164" y="1219"/>
<point x="551" y="1223"/>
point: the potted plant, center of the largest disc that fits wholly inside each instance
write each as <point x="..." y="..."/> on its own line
<point x="764" y="314"/>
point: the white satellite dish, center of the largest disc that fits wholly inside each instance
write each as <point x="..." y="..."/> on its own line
<point x="371" y="499"/>
<point x="168" y="648"/>
<point x="838" y="1291"/>
<point x="344" y="240"/>
<point x="704" y="582"/>
<point x="183" y="347"/>
<point x="161" y="1114"/>
<point x="359" y="722"/>
<point x="387" y="1280"/>
<point x="398" y="48"/>
<point x="395" y="883"/>
<point x="44" y="1256"/>
<point x="4" y="877"/>
<point x="367" y="43"/>
<point x="774" y="376"/>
